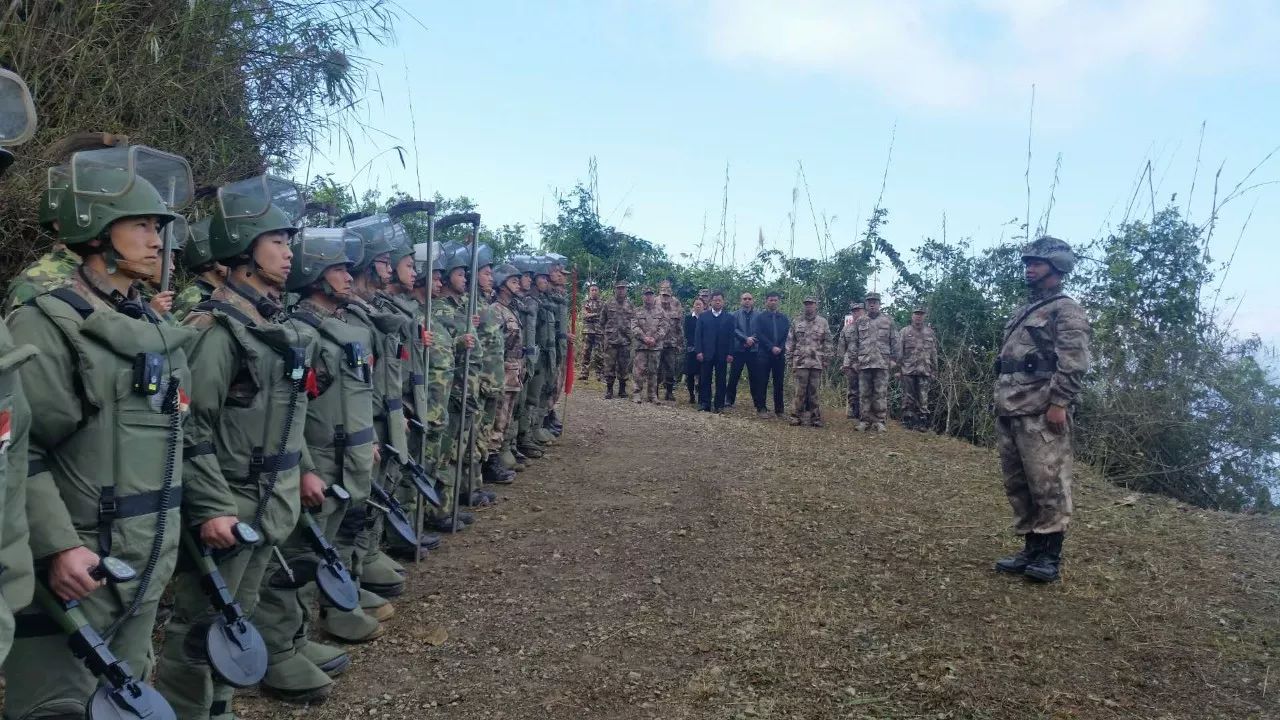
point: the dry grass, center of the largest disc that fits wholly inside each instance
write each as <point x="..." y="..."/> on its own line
<point x="664" y="563"/>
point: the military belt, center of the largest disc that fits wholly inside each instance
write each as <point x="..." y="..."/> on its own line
<point x="112" y="508"/>
<point x="417" y="379"/>
<point x="274" y="463"/>
<point x="194" y="451"/>
<point x="359" y="437"/>
<point x="1028" y="364"/>
<point x="35" y="467"/>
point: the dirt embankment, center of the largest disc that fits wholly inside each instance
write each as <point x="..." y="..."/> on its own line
<point x="662" y="563"/>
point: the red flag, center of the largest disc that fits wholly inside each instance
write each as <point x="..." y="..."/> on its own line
<point x="310" y="384"/>
<point x="573" y="334"/>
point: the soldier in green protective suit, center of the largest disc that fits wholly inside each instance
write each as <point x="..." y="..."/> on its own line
<point x="559" y="299"/>
<point x="55" y="267"/>
<point x="397" y="299"/>
<point x="361" y="530"/>
<point x="16" y="580"/>
<point x="105" y="476"/>
<point x="339" y="438"/>
<point x="535" y="327"/>
<point x="248" y="406"/>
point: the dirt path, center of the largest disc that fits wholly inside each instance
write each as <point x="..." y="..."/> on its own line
<point x="662" y="563"/>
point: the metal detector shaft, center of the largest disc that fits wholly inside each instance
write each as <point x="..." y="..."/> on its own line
<point x="419" y="511"/>
<point x="472" y="288"/>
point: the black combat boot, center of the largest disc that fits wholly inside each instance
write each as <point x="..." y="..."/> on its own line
<point x="622" y="389"/>
<point x="1044" y="568"/>
<point x="670" y="397"/>
<point x="923" y="423"/>
<point x="493" y="472"/>
<point x="1015" y="564"/>
<point x="692" y="400"/>
<point x="608" y="389"/>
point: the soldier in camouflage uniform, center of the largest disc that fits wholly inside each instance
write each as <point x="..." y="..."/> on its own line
<point x="918" y="353"/>
<point x="592" y="350"/>
<point x="672" y="357"/>
<point x="808" y="351"/>
<point x="491" y="382"/>
<point x="649" y="328"/>
<point x="1042" y="363"/>
<point x="49" y="271"/>
<point x="439" y="389"/>
<point x="615" y="320"/>
<point x="848" y="364"/>
<point x="874" y="351"/>
<point x="451" y="310"/>
<point x="507" y="280"/>
<point x="544" y="380"/>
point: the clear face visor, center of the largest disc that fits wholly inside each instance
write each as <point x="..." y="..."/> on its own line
<point x="17" y="112"/>
<point x="252" y="197"/>
<point x="352" y="247"/>
<point x="197" y="236"/>
<point x="111" y="172"/>
<point x="320" y="248"/>
<point x="372" y="227"/>
<point x="424" y="256"/>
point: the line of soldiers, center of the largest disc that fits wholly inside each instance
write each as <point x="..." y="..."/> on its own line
<point x="318" y="403"/>
<point x="621" y="340"/>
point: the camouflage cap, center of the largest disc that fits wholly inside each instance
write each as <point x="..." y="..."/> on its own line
<point x="810" y="299"/>
<point x="873" y="296"/>
<point x="857" y="306"/>
<point x="621" y="284"/>
<point x="704" y="292"/>
<point x="647" y="290"/>
<point x="592" y="284"/>
<point x="918" y="309"/>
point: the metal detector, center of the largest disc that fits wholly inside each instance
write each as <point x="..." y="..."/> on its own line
<point x="233" y="647"/>
<point x="120" y="696"/>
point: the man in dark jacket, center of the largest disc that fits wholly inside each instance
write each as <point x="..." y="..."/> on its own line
<point x="744" y="351"/>
<point x="714" y="341"/>
<point x="770" y="328"/>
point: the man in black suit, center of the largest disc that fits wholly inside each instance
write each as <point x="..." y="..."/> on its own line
<point x="771" y="328"/>
<point x="714" y="342"/>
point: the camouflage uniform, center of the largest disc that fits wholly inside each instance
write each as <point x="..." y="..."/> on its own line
<point x="592" y="352"/>
<point x="513" y="368"/>
<point x="849" y="370"/>
<point x="49" y="271"/>
<point x="648" y="322"/>
<point x="560" y="309"/>
<point x="918" y="351"/>
<point x="521" y="425"/>
<point x="192" y="295"/>
<point x="808" y="350"/>
<point x="615" y="320"/>
<point x="672" y="357"/>
<point x="1042" y="361"/>
<point x="439" y="387"/>
<point x="874" y="350"/>
<point x="491" y="381"/>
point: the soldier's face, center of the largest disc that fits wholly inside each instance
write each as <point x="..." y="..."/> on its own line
<point x="458" y="280"/>
<point x="137" y="239"/>
<point x="272" y="253"/>
<point x="873" y="307"/>
<point x="406" y="273"/>
<point x="339" y="279"/>
<point x="557" y="276"/>
<point x="543" y="283"/>
<point x="485" y="277"/>
<point x="1036" y="272"/>
<point x="526" y="282"/>
<point x="771" y="303"/>
<point x="593" y="292"/>
<point x="648" y="300"/>
<point x="437" y="285"/>
<point x="512" y="284"/>
<point x="917" y="320"/>
<point x="619" y="294"/>
<point x="858" y="313"/>
<point x="810" y="310"/>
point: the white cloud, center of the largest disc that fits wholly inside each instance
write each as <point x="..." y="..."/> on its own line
<point x="964" y="54"/>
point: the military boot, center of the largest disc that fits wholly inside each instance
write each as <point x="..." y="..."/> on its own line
<point x="530" y="448"/>
<point x="608" y="389"/>
<point x="799" y="419"/>
<point x="670" y="396"/>
<point x="507" y="459"/>
<point x="521" y="458"/>
<point x="622" y="389"/>
<point x="1016" y="563"/>
<point x="382" y="576"/>
<point x="296" y="680"/>
<point x="332" y="660"/>
<point x="923" y="423"/>
<point x="356" y="626"/>
<point x="850" y="413"/>
<point x="1045" y="567"/>
<point x="692" y="400"/>
<point x="494" y="472"/>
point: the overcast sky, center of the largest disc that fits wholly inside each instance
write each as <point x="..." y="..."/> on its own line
<point x="512" y="98"/>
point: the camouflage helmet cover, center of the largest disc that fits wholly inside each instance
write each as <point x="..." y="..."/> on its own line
<point x="503" y="273"/>
<point x="1053" y="251"/>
